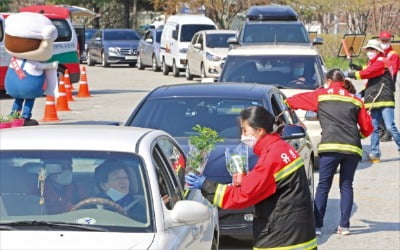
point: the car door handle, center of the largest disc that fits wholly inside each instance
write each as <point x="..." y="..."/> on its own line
<point x="196" y="231"/>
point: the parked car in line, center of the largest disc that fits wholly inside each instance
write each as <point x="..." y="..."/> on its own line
<point x="177" y="34"/>
<point x="206" y="51"/>
<point x="176" y="109"/>
<point x="149" y="50"/>
<point x="149" y="158"/>
<point x="113" y="46"/>
<point x="89" y="33"/>
<point x="293" y="69"/>
<point x="273" y="24"/>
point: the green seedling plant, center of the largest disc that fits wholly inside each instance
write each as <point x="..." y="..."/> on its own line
<point x="200" y="147"/>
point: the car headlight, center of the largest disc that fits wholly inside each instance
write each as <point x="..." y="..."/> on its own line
<point x="183" y="50"/>
<point x="114" y="51"/>
<point x="212" y="57"/>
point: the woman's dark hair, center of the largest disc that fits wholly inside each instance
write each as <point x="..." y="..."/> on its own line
<point x="102" y="172"/>
<point x="337" y="75"/>
<point x="258" y="117"/>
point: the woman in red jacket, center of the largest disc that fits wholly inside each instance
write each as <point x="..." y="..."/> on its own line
<point x="277" y="186"/>
<point x="343" y="120"/>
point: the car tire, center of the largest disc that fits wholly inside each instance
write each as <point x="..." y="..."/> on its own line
<point x="175" y="70"/>
<point x="165" y="68"/>
<point x="89" y="60"/>
<point x="188" y="75"/>
<point x="104" y="62"/>
<point x="154" y="65"/>
<point x="215" y="242"/>
<point x="203" y="72"/>
<point x="139" y="63"/>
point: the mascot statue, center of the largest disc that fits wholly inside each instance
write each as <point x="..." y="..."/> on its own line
<point x="29" y="40"/>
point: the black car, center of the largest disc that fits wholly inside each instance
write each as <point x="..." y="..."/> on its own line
<point x="113" y="46"/>
<point x="178" y="108"/>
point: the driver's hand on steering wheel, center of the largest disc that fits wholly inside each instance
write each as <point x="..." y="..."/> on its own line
<point x="300" y="80"/>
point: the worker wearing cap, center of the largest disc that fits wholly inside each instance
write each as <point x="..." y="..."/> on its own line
<point x="378" y="95"/>
<point x="393" y="60"/>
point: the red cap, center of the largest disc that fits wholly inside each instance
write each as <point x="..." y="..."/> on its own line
<point x="385" y="35"/>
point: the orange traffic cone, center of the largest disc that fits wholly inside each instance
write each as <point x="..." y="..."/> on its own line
<point x="83" y="85"/>
<point x="62" y="102"/>
<point x="68" y="86"/>
<point x="50" y="112"/>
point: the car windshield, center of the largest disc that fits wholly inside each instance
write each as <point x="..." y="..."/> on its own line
<point x="89" y="34"/>
<point x="188" y="30"/>
<point x="120" y="35"/>
<point x="297" y="72"/>
<point x="178" y="116"/>
<point x="271" y="32"/>
<point x="72" y="188"/>
<point x="218" y="40"/>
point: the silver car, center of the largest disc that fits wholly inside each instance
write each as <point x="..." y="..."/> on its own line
<point x="149" y="50"/>
<point x="206" y="51"/>
<point x="54" y="193"/>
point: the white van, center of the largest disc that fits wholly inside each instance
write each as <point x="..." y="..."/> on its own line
<point x="177" y="34"/>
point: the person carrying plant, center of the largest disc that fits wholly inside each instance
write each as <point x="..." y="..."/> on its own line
<point x="277" y="186"/>
<point x="378" y="95"/>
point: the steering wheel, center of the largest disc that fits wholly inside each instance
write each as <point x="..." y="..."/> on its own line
<point x="99" y="201"/>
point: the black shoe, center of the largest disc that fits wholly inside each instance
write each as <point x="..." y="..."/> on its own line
<point x="30" y="122"/>
<point x="386" y="137"/>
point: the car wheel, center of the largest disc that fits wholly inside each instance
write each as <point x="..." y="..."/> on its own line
<point x="104" y="62"/>
<point x="155" y="67"/>
<point x="165" y="68"/>
<point x="203" y="71"/>
<point x="139" y="63"/>
<point x="215" y="242"/>
<point x="90" y="61"/>
<point x="188" y="75"/>
<point x="175" y="70"/>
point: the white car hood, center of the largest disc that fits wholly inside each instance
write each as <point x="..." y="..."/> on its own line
<point x="73" y="240"/>
<point x="222" y="52"/>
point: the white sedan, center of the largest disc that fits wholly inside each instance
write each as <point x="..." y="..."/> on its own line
<point x="54" y="193"/>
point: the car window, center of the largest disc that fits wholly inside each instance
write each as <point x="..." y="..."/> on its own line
<point x="271" y="32"/>
<point x="281" y="71"/>
<point x="72" y="186"/>
<point x="200" y="40"/>
<point x="120" y="35"/>
<point x="158" y="36"/>
<point x="194" y="39"/>
<point x="63" y="29"/>
<point x="175" y="157"/>
<point x="218" y="40"/>
<point x="89" y="33"/>
<point x="165" y="179"/>
<point x="220" y="114"/>
<point x="288" y="117"/>
<point x="188" y="30"/>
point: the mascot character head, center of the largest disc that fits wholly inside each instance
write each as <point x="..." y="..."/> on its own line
<point x="29" y="36"/>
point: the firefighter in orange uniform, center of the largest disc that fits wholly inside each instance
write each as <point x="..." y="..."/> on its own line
<point x="277" y="186"/>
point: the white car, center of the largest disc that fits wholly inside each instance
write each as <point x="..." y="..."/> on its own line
<point x="205" y="53"/>
<point x="292" y="68"/>
<point x="33" y="157"/>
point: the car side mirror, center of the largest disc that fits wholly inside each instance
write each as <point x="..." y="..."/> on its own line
<point x="318" y="41"/>
<point x="187" y="212"/>
<point x="233" y="40"/>
<point x="197" y="45"/>
<point x="292" y="131"/>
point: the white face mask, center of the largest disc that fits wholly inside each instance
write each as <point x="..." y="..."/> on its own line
<point x="114" y="194"/>
<point x="64" y="178"/>
<point x="249" y="140"/>
<point x="385" y="45"/>
<point x="371" y="55"/>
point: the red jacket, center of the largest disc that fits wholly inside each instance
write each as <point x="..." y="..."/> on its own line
<point x="278" y="188"/>
<point x="393" y="61"/>
<point x="342" y="117"/>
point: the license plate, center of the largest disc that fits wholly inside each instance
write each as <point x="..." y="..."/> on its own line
<point x="130" y="57"/>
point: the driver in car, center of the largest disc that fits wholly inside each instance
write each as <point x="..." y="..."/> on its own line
<point x="114" y="184"/>
<point x="298" y="73"/>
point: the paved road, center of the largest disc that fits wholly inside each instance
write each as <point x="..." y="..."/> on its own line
<point x="376" y="213"/>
